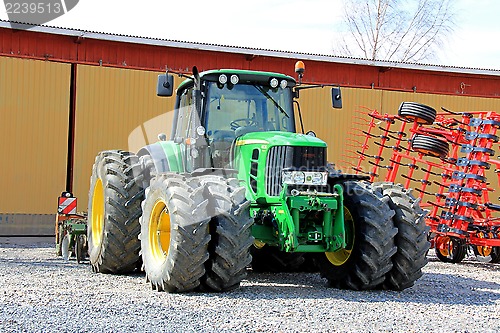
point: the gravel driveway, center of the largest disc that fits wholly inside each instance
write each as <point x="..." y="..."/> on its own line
<point x="40" y="292"/>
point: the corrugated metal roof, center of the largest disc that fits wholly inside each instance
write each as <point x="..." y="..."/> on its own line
<point x="244" y="50"/>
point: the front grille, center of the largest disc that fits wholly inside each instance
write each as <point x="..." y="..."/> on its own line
<point x="276" y="161"/>
<point x="295" y="158"/>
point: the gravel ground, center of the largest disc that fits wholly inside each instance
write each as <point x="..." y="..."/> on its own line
<point x="43" y="293"/>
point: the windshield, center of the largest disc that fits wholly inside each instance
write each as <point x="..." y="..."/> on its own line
<point x="245" y="108"/>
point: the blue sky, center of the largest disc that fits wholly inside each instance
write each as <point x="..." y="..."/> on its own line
<point x="288" y="25"/>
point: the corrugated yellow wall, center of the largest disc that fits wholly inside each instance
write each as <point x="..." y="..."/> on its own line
<point x="119" y="109"/>
<point x="340" y="127"/>
<point x="34" y="103"/>
<point x="115" y="109"/>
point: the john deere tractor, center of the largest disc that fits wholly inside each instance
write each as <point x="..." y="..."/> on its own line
<point x="236" y="180"/>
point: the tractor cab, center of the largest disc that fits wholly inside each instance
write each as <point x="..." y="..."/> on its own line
<point x="230" y="104"/>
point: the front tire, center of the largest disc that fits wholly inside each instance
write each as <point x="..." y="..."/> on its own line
<point x="114" y="209"/>
<point x="174" y="233"/>
<point x="230" y="230"/>
<point x="370" y="233"/>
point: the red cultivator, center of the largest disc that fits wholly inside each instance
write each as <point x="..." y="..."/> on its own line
<point x="447" y="157"/>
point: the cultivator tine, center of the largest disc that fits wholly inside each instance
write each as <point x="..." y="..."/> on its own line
<point x="357" y="134"/>
<point x="365" y="172"/>
<point x="442" y="185"/>
<point x="492" y="206"/>
<point x="376" y="136"/>
<point x="360" y="124"/>
<point x="382" y="117"/>
<point x="423" y="181"/>
<point x="403" y="134"/>
<point x="348" y="163"/>
<point x="396" y="138"/>
<point x="422" y="191"/>
<point x="463" y="114"/>
<point x="444" y="175"/>
<point x="354" y="140"/>
<point x="410" y="165"/>
<point x="377" y="157"/>
<point x="388" y="167"/>
<point x="450" y="128"/>
<point x="361" y="118"/>
<point x="357" y="146"/>
<point x="397" y="148"/>
<point x="432" y="218"/>
<point x="433" y="203"/>
<point x="440" y="195"/>
<point x="351" y="157"/>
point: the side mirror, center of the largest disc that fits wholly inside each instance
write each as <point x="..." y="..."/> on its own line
<point x="165" y="85"/>
<point x="336" y="98"/>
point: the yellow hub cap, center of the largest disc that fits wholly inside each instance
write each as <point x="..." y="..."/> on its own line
<point x="159" y="231"/>
<point x="340" y="257"/>
<point x="97" y="218"/>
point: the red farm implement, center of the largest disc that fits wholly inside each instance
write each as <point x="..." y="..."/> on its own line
<point x="448" y="158"/>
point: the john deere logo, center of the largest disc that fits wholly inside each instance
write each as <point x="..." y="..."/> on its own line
<point x="36" y="12"/>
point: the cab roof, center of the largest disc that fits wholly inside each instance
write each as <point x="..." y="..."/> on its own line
<point x="245" y="76"/>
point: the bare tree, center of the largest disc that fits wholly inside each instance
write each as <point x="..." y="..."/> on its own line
<point x="409" y="31"/>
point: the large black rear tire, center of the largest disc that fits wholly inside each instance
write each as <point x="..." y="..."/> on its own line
<point x="366" y="260"/>
<point x="230" y="230"/>
<point x="113" y="215"/>
<point x="411" y="239"/>
<point x="174" y="233"/>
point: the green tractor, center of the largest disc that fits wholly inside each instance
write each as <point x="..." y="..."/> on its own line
<point x="236" y="181"/>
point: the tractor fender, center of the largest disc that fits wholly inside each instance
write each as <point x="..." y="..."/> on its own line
<point x="166" y="155"/>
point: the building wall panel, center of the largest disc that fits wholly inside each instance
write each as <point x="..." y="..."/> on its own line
<point x="115" y="109"/>
<point x="132" y="54"/>
<point x="34" y="102"/>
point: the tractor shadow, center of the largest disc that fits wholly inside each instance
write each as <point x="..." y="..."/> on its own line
<point x="431" y="288"/>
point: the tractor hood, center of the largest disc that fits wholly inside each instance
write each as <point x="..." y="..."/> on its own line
<point x="275" y="138"/>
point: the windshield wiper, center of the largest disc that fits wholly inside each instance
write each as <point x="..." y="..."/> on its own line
<point x="265" y="93"/>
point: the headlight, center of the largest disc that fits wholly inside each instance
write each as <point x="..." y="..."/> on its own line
<point x="234" y="79"/>
<point x="287" y="177"/>
<point x="222" y="79"/>
<point x="299" y="178"/>
<point x="318" y="178"/>
<point x="304" y="178"/>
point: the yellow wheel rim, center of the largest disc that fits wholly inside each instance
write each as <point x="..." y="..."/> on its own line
<point x="340" y="257"/>
<point x="159" y="231"/>
<point x="97" y="218"/>
<point x="258" y="244"/>
<point x="484" y="250"/>
<point x="444" y="246"/>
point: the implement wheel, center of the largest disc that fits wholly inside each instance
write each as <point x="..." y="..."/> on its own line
<point x="174" y="233"/>
<point x="80" y="248"/>
<point x="430" y="146"/>
<point x="411" y="239"/>
<point x="230" y="230"/>
<point x="418" y="113"/>
<point x="488" y="254"/>
<point x="450" y="249"/>
<point x="366" y="260"/>
<point x="114" y="209"/>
